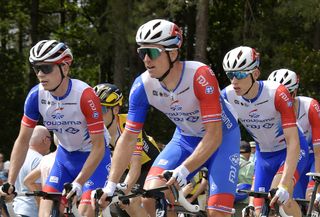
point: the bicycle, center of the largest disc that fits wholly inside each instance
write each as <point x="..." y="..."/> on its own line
<point x="70" y="211"/>
<point x="311" y="210"/>
<point x="155" y="193"/>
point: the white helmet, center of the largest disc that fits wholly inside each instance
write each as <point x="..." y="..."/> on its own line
<point x="241" y="59"/>
<point x="286" y="77"/>
<point x="50" y="51"/>
<point x="161" y="32"/>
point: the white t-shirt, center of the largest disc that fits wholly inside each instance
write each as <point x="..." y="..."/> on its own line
<point x="23" y="205"/>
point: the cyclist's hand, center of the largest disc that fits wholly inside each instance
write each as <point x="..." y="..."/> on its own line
<point x="123" y="187"/>
<point x="180" y="175"/>
<point x="248" y="211"/>
<point x="7" y="189"/>
<point x="108" y="191"/>
<point x="282" y="195"/>
<point x="76" y="190"/>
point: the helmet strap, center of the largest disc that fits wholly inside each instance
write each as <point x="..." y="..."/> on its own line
<point x="113" y="117"/>
<point x="62" y="77"/>
<point x="252" y="83"/>
<point x="170" y="66"/>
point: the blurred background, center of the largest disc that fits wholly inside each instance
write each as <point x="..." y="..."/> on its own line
<point x="101" y="34"/>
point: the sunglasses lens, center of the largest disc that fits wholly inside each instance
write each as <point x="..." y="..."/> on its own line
<point x="237" y="75"/>
<point x="153" y="53"/>
<point x="46" y="69"/>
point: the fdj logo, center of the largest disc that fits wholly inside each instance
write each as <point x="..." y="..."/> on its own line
<point x="72" y="130"/>
<point x="193" y="119"/>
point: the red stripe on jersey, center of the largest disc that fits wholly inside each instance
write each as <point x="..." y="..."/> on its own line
<point x="28" y="122"/>
<point x="314" y="119"/>
<point x="91" y="109"/>
<point x="284" y="104"/>
<point x="133" y="127"/>
<point x="206" y="89"/>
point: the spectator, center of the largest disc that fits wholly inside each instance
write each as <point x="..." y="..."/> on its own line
<point x="39" y="145"/>
<point x="3" y="172"/>
<point x="246" y="166"/>
<point x="42" y="171"/>
<point x="253" y="151"/>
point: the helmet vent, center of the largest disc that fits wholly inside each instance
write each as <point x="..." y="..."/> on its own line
<point x="157" y="35"/>
<point x="147" y="35"/>
<point x="234" y="64"/>
<point x="156" y="25"/>
<point x="287" y="83"/>
<point x="239" y="54"/>
<point x="243" y="63"/>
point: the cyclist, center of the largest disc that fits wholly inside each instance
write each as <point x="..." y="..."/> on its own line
<point x="69" y="108"/>
<point x="206" y="131"/>
<point x="307" y="111"/>
<point x="146" y="151"/>
<point x="266" y="110"/>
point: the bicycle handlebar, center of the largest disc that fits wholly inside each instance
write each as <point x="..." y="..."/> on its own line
<point x="152" y="193"/>
<point x="45" y="195"/>
<point x="265" y="195"/>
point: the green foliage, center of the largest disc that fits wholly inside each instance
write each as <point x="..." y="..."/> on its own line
<point x="101" y="34"/>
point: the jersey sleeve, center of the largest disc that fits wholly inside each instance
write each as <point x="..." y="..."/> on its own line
<point x="138" y="107"/>
<point x="207" y="91"/>
<point x="31" y="108"/>
<point x="91" y="109"/>
<point x="284" y="104"/>
<point x="314" y="119"/>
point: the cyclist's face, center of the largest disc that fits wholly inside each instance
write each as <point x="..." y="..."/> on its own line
<point x="155" y="60"/>
<point x="107" y="115"/>
<point x="48" y="74"/>
<point x="241" y="86"/>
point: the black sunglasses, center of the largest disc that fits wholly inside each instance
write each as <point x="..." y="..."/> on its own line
<point x="152" y="52"/>
<point x="46" y="68"/>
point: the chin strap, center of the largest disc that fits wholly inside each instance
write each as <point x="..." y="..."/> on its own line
<point x="250" y="86"/>
<point x="113" y="117"/>
<point x="62" y="77"/>
<point x="170" y="66"/>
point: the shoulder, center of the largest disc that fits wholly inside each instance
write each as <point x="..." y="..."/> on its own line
<point x="79" y="85"/>
<point x="35" y="90"/>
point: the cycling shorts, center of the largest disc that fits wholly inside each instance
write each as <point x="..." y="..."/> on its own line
<point x="67" y="166"/>
<point x="223" y="166"/>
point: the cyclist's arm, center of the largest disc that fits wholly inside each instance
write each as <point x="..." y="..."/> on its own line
<point x="134" y="172"/>
<point x="293" y="150"/>
<point x="94" y="158"/>
<point x="91" y="109"/>
<point x="122" y="155"/>
<point x="314" y="119"/>
<point x="208" y="145"/>
<point x="284" y="104"/>
<point x="210" y="107"/>
<point x="19" y="152"/>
